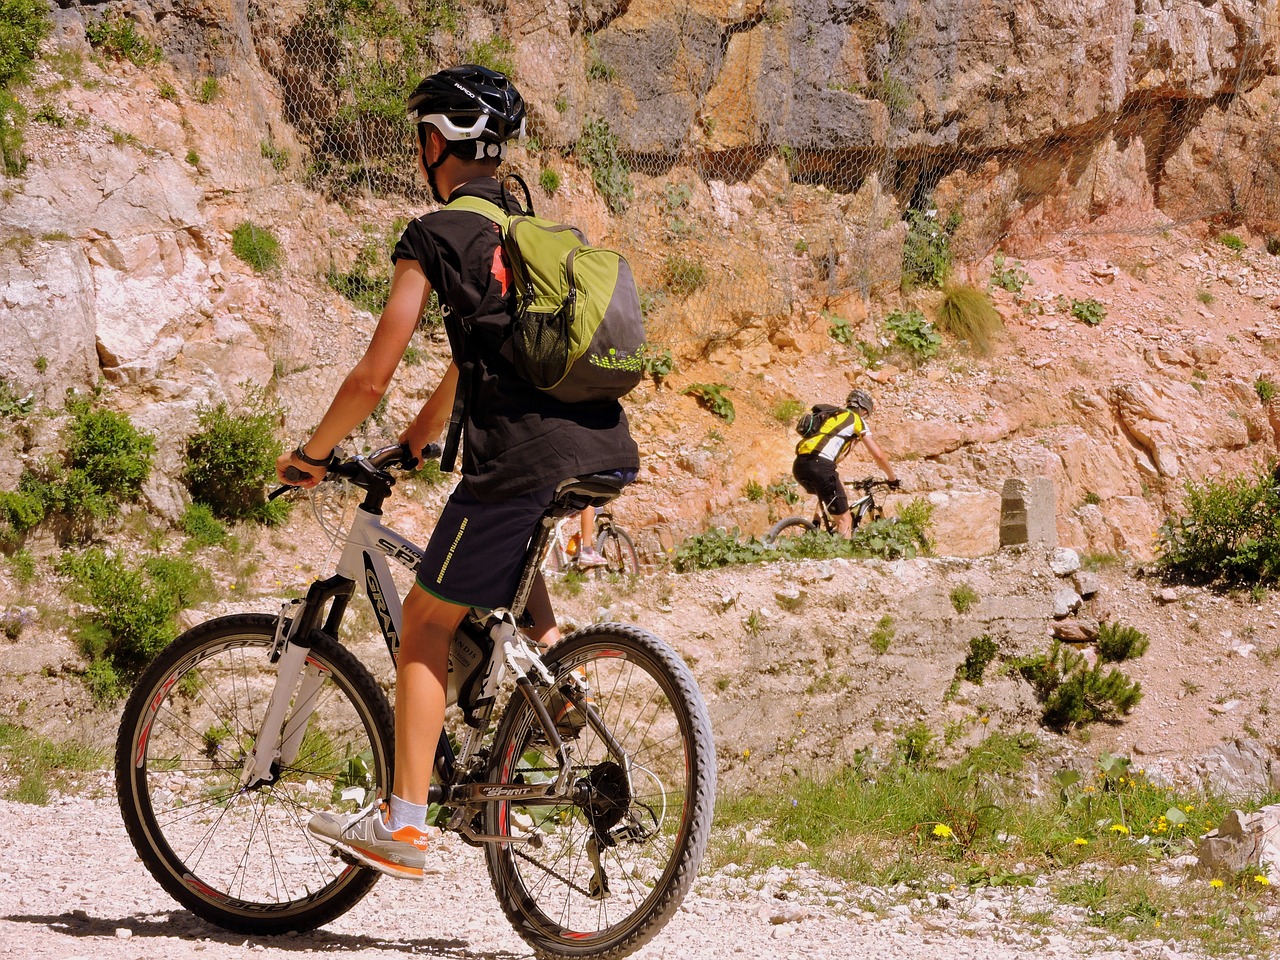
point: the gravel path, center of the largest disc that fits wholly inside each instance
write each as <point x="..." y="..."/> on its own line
<point x="71" y="887"/>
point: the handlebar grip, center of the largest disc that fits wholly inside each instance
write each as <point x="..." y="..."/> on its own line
<point x="432" y="451"/>
<point x="293" y="474"/>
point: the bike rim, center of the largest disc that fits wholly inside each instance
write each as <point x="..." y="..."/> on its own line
<point x="559" y="889"/>
<point x="248" y="851"/>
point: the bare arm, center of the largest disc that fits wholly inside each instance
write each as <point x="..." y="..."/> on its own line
<point x="430" y="421"/>
<point x="369" y="379"/>
<point x="878" y="456"/>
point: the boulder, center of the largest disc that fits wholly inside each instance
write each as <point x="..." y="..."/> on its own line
<point x="1244" y="841"/>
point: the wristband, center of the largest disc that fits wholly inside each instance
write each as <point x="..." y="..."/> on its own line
<point x="312" y="461"/>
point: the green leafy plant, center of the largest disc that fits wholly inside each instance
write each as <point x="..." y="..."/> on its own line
<point x="12" y="404"/>
<point x="256" y="246"/>
<point x="1232" y="242"/>
<point x="1227" y="531"/>
<point x="232" y="456"/>
<point x="838" y="328"/>
<point x="117" y="36"/>
<point x="914" y="334"/>
<point x="1273" y="245"/>
<point x="131" y="611"/>
<point x="964" y="598"/>
<point x="969" y="315"/>
<point x="1089" y="312"/>
<point x="753" y="491"/>
<point x="1008" y="274"/>
<point x="201" y="526"/>
<point x="657" y="364"/>
<point x="914" y="745"/>
<point x="549" y="180"/>
<point x="926" y="253"/>
<point x="1265" y="389"/>
<point x="711" y="396"/>
<point x="368" y="283"/>
<point x="208" y="90"/>
<point x="784" y="490"/>
<point x="277" y="156"/>
<point x="193" y="158"/>
<point x="601" y="150"/>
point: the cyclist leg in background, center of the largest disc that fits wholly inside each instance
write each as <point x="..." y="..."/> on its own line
<point x="473" y="559"/>
<point x="819" y="476"/>
<point x="587" y="554"/>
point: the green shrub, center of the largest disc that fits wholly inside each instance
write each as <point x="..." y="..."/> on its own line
<point x="20" y="511"/>
<point x="914" y="746"/>
<point x="1231" y="242"/>
<point x="494" y="53"/>
<point x="1072" y="693"/>
<point x="891" y="538"/>
<point x="131" y="615"/>
<point x="549" y="180"/>
<point x="1227" y="531"/>
<point x="232" y="457"/>
<point x="201" y="526"/>
<point x="1089" y="312"/>
<point x="23" y="565"/>
<point x="682" y="276"/>
<point x="208" y="90"/>
<point x="117" y="36"/>
<point x="711" y="396"/>
<point x="256" y="246"/>
<point x="1118" y="642"/>
<point x="914" y="334"/>
<point x="968" y="314"/>
<point x="600" y="149"/>
<point x="1265" y="389"/>
<point x="23" y="24"/>
<point x="753" y="491"/>
<point x="882" y="635"/>
<point x="785" y="490"/>
<point x="1009" y="277"/>
<point x="926" y="254"/>
<point x="982" y="650"/>
<point x="963" y="598"/>
<point x="112" y="453"/>
<point x="1273" y="246"/>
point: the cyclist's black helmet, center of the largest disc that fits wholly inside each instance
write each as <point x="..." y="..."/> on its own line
<point x="860" y="402"/>
<point x="469" y="103"/>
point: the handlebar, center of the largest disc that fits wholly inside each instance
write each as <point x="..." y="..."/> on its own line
<point x="869" y="483"/>
<point x="395" y="455"/>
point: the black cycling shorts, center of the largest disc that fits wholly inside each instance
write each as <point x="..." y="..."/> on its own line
<point x="820" y="477"/>
<point x="477" y="549"/>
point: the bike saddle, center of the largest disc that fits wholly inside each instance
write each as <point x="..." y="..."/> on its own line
<point x="593" y="490"/>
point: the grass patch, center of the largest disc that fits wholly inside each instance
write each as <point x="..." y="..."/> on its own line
<point x="43" y="765"/>
<point x="969" y="315"/>
<point x="256" y="246"/>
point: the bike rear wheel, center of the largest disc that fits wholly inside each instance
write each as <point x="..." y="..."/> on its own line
<point x="790" y="527"/>
<point x="620" y="553"/>
<point x="647" y="811"/>
<point x="242" y="858"/>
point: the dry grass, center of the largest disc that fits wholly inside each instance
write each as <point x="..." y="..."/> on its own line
<point x="969" y="315"/>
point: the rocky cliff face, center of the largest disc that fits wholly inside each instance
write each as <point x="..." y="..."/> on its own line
<point x="771" y="150"/>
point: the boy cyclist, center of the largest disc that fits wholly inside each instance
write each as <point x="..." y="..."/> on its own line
<point x="818" y="454"/>
<point x="519" y="443"/>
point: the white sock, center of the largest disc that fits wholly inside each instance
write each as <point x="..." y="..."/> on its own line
<point x="402" y="813"/>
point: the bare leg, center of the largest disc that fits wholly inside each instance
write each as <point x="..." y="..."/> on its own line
<point x="843" y="523"/>
<point x="588" y="527"/>
<point x="421" y="674"/>
<point x="545" y="633"/>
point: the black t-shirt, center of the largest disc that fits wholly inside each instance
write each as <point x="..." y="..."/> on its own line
<point x="518" y="438"/>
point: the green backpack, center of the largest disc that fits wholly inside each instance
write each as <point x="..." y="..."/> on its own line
<point x="578" y="332"/>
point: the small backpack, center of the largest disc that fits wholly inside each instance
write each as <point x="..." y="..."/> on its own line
<point x="578" y="330"/>
<point x="811" y="422"/>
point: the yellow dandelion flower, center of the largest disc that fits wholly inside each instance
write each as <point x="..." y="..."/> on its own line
<point x="1120" y="828"/>
<point x="746" y="754"/>
<point x="1216" y="883"/>
<point x="1080" y="842"/>
<point x="941" y="830"/>
<point x="1261" y="880"/>
<point x="1188" y="808"/>
<point x="986" y="719"/>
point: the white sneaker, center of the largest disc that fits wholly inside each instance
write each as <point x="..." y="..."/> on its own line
<point x="588" y="558"/>
<point x="366" y="838"/>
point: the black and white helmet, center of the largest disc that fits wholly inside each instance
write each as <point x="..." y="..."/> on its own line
<point x="860" y="402"/>
<point x="470" y="103"/>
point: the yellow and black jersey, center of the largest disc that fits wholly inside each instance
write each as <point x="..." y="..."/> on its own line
<point x="838" y="432"/>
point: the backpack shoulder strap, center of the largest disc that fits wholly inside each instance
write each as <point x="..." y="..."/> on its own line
<point x="486" y="208"/>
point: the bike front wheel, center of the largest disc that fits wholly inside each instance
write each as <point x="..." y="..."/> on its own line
<point x="618" y="551"/>
<point x="790" y="527"/>
<point x="599" y="874"/>
<point x="241" y="858"/>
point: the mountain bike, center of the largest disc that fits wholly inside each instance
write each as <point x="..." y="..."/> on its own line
<point x="586" y="772"/>
<point x="612" y="542"/>
<point x="863" y="508"/>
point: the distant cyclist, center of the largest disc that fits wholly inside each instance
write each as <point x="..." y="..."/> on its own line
<point x="833" y="432"/>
